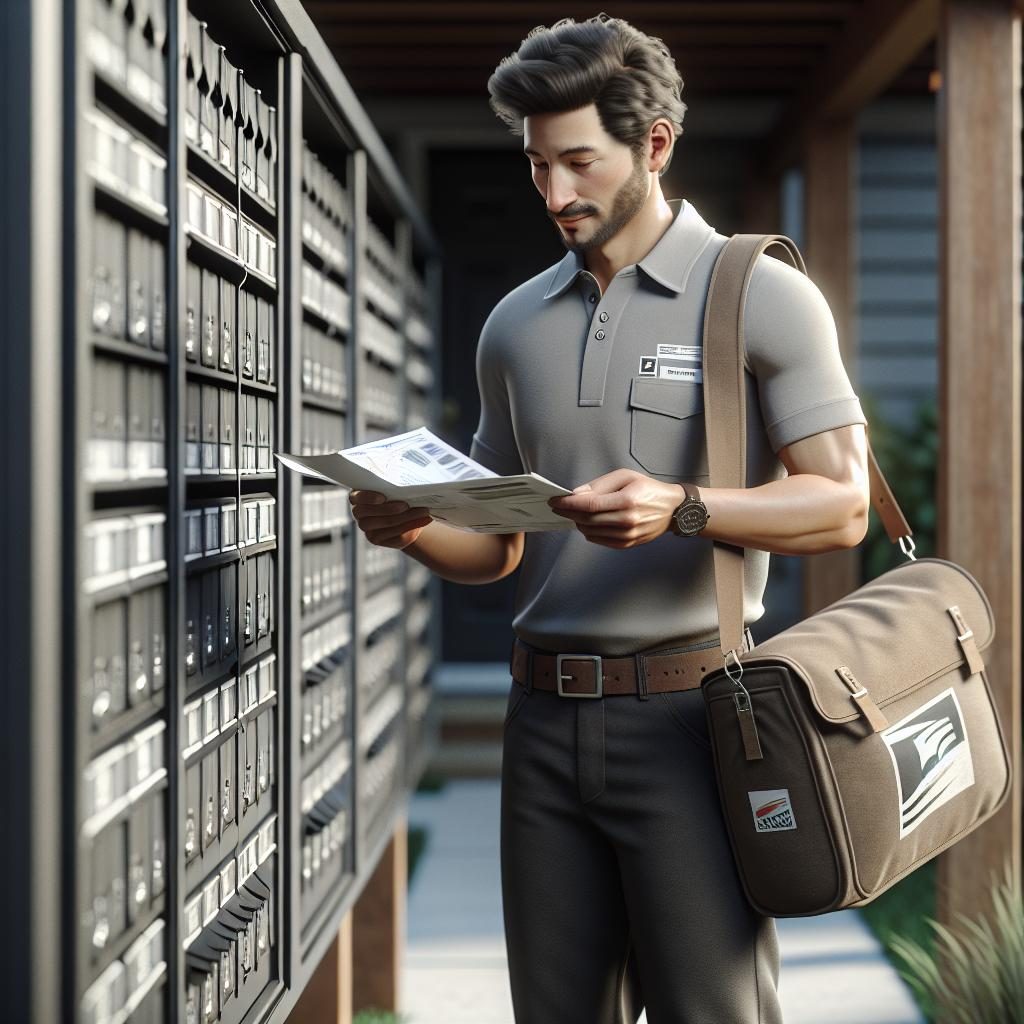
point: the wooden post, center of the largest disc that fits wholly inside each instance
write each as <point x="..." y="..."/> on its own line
<point x="979" y="472"/>
<point x="378" y="932"/>
<point x="830" y="253"/>
<point x="327" y="999"/>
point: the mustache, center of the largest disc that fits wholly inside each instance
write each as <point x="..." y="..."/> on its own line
<point x="566" y="214"/>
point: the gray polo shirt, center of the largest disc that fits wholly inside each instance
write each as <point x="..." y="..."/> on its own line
<point x="568" y="389"/>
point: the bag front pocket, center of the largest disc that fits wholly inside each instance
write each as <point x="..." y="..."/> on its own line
<point x="667" y="427"/>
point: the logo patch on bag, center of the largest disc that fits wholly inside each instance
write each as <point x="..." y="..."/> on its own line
<point x="648" y="366"/>
<point x="931" y="756"/>
<point x="771" y="809"/>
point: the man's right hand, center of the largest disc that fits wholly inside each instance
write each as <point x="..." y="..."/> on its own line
<point x="389" y="524"/>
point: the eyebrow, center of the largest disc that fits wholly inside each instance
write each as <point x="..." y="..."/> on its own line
<point x="565" y="152"/>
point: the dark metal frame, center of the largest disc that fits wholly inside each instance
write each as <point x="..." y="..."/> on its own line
<point x="48" y="501"/>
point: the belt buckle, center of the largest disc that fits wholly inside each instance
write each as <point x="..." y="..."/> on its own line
<point x="595" y="658"/>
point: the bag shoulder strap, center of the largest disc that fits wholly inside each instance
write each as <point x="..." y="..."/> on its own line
<point x="725" y="414"/>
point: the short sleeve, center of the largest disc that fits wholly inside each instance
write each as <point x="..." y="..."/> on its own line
<point x="792" y="349"/>
<point x="494" y="443"/>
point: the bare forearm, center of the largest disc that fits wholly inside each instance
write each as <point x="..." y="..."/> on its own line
<point x="801" y="514"/>
<point x="463" y="557"/>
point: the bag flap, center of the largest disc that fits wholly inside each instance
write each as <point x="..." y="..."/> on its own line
<point x="893" y="633"/>
<point x="674" y="398"/>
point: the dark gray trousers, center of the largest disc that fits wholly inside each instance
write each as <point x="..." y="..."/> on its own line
<point x="619" y="888"/>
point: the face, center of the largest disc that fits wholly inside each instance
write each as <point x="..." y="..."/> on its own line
<point x="592" y="184"/>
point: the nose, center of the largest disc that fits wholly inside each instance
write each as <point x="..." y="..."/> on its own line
<point x="559" y="193"/>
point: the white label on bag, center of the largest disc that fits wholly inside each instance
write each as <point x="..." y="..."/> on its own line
<point x="931" y="757"/>
<point x="771" y="809"/>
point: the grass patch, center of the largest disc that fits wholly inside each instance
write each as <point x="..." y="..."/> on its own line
<point x="375" y="1016"/>
<point x="901" y="910"/>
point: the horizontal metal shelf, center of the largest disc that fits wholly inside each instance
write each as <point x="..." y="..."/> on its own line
<point x="149" y="122"/>
<point x="127" y="350"/>
<point x="212" y="173"/>
<point x="150" y="219"/>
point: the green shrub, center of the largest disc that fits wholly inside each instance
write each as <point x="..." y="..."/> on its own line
<point x="375" y="1016"/>
<point x="431" y="782"/>
<point x="977" y="973"/>
<point x="416" y="842"/>
<point x="909" y="461"/>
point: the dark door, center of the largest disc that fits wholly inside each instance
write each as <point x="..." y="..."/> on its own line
<point x="495" y="234"/>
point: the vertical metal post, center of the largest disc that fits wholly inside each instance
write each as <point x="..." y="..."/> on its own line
<point x="290" y="413"/>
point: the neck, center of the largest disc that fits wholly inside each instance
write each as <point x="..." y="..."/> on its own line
<point x="634" y="241"/>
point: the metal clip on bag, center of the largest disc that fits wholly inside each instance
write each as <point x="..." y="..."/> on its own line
<point x="856" y="745"/>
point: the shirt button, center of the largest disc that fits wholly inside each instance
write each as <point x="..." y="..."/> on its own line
<point x="603" y="317"/>
<point x="599" y="335"/>
<point x="592" y="298"/>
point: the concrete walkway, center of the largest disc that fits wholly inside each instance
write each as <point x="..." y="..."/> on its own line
<point x="455" y="972"/>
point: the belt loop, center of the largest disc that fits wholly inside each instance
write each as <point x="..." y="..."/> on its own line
<point x="641" y="677"/>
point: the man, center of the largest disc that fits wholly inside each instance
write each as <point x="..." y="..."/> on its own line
<point x="618" y="883"/>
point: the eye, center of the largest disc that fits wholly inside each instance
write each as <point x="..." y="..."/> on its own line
<point x="573" y="163"/>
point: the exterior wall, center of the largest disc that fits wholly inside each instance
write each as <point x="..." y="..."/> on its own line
<point x="898" y="261"/>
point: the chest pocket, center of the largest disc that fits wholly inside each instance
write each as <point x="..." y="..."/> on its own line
<point x="666" y="432"/>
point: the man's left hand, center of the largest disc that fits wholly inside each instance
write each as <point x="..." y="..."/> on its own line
<point x="620" y="509"/>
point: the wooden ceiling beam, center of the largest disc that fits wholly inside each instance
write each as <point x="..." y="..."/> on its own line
<point x="542" y="12"/>
<point x="676" y="37"/>
<point x="487" y="57"/>
<point x="417" y="81"/>
<point x="880" y="42"/>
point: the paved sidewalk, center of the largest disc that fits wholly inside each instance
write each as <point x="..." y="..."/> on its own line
<point x="455" y="972"/>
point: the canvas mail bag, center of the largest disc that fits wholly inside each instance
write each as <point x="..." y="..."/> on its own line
<point x="859" y="743"/>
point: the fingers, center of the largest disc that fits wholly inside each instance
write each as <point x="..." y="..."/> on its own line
<point x="372" y="504"/>
<point x="622" y="517"/>
<point x="380" y="521"/>
<point x="383" y="521"/>
<point x="613" y="481"/>
<point x="358" y="497"/>
<point x="608" y="494"/>
<point x="386" y="536"/>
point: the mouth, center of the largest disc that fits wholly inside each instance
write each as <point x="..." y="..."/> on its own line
<point x="572" y="221"/>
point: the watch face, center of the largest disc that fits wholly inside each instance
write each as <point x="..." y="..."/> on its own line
<point x="691" y="518"/>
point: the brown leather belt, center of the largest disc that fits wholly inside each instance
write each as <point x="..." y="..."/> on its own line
<point x="591" y="675"/>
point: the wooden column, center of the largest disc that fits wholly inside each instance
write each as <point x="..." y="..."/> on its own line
<point x="378" y="932"/>
<point x="830" y="253"/>
<point x="979" y="472"/>
<point x="327" y="999"/>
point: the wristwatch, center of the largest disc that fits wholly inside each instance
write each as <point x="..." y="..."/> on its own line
<point x="691" y="515"/>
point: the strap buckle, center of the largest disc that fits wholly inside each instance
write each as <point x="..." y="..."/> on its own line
<point x="599" y="673"/>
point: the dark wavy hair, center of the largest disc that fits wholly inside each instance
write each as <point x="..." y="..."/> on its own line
<point x="630" y="76"/>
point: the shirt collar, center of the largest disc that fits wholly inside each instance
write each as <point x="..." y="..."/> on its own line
<point x="670" y="261"/>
